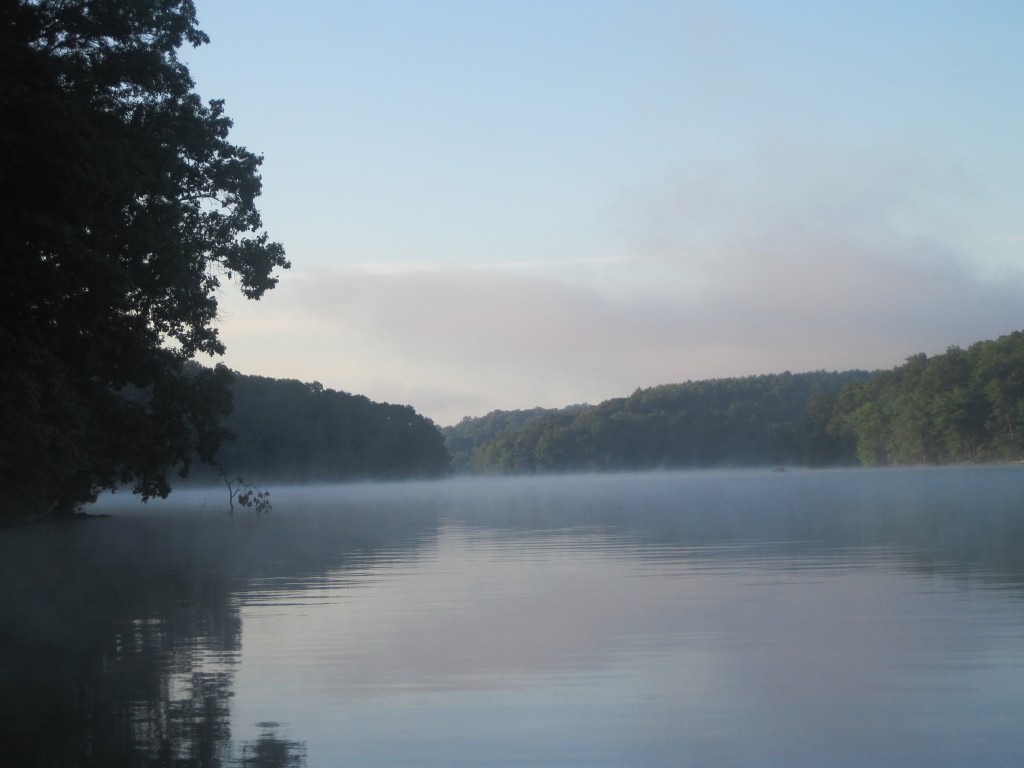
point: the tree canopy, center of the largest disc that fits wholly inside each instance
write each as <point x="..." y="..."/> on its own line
<point x="757" y="420"/>
<point x="964" y="405"/>
<point x="125" y="209"/>
<point x="291" y="431"/>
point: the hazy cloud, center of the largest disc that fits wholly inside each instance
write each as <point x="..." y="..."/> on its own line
<point x="464" y="341"/>
<point x="794" y="262"/>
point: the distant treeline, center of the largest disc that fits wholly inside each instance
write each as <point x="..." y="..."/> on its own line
<point x="965" y="405"/>
<point x="290" y="431"/>
<point x="757" y="420"/>
<point x="962" y="405"/>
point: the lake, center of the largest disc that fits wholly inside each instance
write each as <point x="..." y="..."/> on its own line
<point x="721" y="618"/>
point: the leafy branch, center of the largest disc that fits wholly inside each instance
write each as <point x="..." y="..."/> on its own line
<point x="246" y="494"/>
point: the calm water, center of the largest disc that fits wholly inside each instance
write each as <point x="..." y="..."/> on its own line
<point x="827" y="618"/>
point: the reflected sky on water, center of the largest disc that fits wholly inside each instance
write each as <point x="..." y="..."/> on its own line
<point x="707" y="618"/>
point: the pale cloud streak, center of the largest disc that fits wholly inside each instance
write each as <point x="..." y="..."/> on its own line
<point x="462" y="341"/>
<point x="782" y="267"/>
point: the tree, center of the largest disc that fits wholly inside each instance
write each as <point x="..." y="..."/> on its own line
<point x="124" y="208"/>
<point x="953" y="407"/>
<point x="757" y="420"/>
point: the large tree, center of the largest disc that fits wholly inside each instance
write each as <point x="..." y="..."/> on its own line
<point x="123" y="209"/>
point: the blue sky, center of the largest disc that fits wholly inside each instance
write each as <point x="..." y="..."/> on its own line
<point x="509" y="204"/>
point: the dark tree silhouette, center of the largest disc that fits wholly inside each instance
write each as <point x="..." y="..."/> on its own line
<point x="292" y="431"/>
<point x="124" y="208"/>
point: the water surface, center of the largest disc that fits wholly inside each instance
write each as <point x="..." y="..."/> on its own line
<point x="839" y="618"/>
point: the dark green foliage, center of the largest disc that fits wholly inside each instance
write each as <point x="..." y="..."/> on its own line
<point x="124" y="207"/>
<point x="463" y="439"/>
<point x="246" y="494"/>
<point x="287" y="430"/>
<point x="959" y="406"/>
<point x="759" y="420"/>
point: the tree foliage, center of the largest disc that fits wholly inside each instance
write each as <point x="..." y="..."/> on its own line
<point x="463" y="439"/>
<point x="959" y="406"/>
<point x="757" y="420"/>
<point x="291" y="431"/>
<point x="125" y="208"/>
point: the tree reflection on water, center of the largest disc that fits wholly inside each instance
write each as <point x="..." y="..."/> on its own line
<point x="120" y="639"/>
<point x="268" y="751"/>
<point x="119" y="647"/>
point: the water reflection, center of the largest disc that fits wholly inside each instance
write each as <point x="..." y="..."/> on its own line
<point x="269" y="751"/>
<point x="954" y="521"/>
<point x="662" y="619"/>
<point x="120" y="637"/>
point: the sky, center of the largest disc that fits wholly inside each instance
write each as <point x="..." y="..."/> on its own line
<point x="497" y="204"/>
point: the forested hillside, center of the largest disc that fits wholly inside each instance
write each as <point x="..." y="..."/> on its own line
<point x="463" y="439"/>
<point x="757" y="420"/>
<point x="959" y="406"/>
<point x="287" y="430"/>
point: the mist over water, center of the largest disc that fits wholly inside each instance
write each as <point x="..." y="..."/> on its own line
<point x="802" y="618"/>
